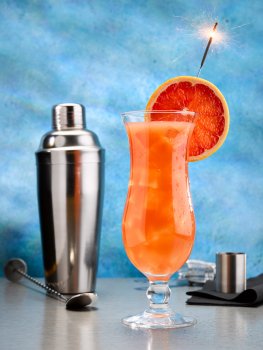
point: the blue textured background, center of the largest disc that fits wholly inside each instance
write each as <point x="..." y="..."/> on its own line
<point x="110" y="56"/>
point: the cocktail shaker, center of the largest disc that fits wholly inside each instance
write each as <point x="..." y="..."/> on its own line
<point x="70" y="177"/>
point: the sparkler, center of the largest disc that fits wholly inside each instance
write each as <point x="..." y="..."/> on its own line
<point x="212" y="34"/>
<point x="199" y="28"/>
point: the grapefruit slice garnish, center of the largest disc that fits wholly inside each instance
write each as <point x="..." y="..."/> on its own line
<point x="200" y="96"/>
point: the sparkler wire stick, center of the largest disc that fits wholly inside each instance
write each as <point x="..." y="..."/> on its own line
<point x="207" y="48"/>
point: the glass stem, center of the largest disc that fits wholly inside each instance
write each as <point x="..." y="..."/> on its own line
<point x="158" y="294"/>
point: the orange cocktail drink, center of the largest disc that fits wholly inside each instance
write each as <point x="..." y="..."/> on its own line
<point x="158" y="221"/>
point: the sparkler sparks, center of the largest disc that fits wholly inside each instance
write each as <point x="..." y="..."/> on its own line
<point x="206" y="33"/>
<point x="200" y="28"/>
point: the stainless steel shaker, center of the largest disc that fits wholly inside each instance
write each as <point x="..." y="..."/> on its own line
<point x="70" y="173"/>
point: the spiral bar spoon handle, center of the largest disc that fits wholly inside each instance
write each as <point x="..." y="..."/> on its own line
<point x="16" y="268"/>
<point x="50" y="290"/>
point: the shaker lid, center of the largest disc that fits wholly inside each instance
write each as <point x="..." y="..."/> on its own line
<point x="68" y="116"/>
<point x="69" y="137"/>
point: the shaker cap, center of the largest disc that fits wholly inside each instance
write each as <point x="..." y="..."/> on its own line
<point x="68" y="116"/>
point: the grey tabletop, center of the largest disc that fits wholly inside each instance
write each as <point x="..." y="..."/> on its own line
<point x="31" y="320"/>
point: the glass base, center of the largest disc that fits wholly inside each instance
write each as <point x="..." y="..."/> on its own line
<point x="158" y="321"/>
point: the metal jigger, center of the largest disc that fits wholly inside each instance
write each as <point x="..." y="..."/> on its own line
<point x="230" y="272"/>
